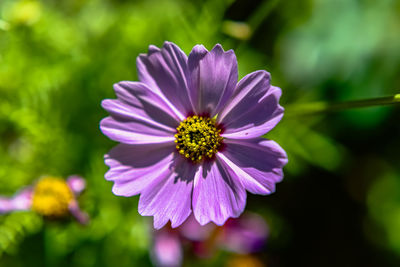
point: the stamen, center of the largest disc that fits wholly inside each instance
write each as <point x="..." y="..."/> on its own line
<point x="51" y="197"/>
<point x="198" y="138"/>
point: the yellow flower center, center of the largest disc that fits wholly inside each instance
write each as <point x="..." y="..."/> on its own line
<point x="51" y="197"/>
<point x="198" y="138"/>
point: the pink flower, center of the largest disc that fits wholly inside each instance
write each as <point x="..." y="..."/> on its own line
<point x="190" y="135"/>
<point x="50" y="196"/>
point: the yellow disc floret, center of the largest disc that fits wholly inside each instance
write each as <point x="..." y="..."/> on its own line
<point x="198" y="138"/>
<point x="51" y="197"/>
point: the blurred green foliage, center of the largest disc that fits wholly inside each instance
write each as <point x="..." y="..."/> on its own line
<point x="59" y="59"/>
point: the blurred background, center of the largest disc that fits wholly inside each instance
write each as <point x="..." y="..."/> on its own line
<point x="339" y="204"/>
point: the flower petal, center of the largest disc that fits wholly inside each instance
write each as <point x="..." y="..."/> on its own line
<point x="217" y="195"/>
<point x="124" y="133"/>
<point x="214" y="76"/>
<point x="144" y="102"/>
<point x="168" y="197"/>
<point x="254" y="109"/>
<point x="257" y="163"/>
<point x="76" y="183"/>
<point x="198" y="52"/>
<point x="22" y="200"/>
<point x="81" y="216"/>
<point x="165" y="71"/>
<point x="134" y="167"/>
<point x="138" y="118"/>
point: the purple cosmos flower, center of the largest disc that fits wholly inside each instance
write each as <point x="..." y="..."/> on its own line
<point x="51" y="197"/>
<point x="190" y="135"/>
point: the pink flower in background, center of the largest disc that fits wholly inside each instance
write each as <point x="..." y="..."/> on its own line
<point x="244" y="235"/>
<point x="167" y="249"/>
<point x="190" y="135"/>
<point x="51" y="197"/>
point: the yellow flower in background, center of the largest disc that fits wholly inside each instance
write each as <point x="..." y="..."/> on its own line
<point x="51" y="197"/>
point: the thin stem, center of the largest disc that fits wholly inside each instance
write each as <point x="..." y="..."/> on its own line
<point x="322" y="107"/>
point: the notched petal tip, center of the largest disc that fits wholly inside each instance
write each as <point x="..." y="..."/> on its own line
<point x="167" y="45"/>
<point x="175" y="224"/>
<point x="264" y="75"/>
<point x="213" y="78"/>
<point x="218" y="49"/>
<point x="204" y="220"/>
<point x="198" y="53"/>
<point x="276" y="91"/>
<point x="153" y="49"/>
<point x="125" y="89"/>
<point x="159" y="223"/>
<point x="122" y="85"/>
<point x="199" y="49"/>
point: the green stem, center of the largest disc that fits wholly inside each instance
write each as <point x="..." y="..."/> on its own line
<point x="322" y="107"/>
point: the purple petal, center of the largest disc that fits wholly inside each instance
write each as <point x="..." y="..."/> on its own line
<point x="168" y="197"/>
<point x="133" y="133"/>
<point x="247" y="234"/>
<point x="254" y="109"/>
<point x="198" y="52"/>
<point x="138" y="116"/>
<point x="153" y="49"/>
<point x="217" y="195"/>
<point x="145" y="103"/>
<point x="167" y="249"/>
<point x="257" y="163"/>
<point x="124" y="114"/>
<point x="134" y="167"/>
<point x="165" y="71"/>
<point x="76" y="183"/>
<point x="5" y="205"/>
<point x="214" y="76"/>
<point x="80" y="216"/>
<point x="20" y="201"/>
